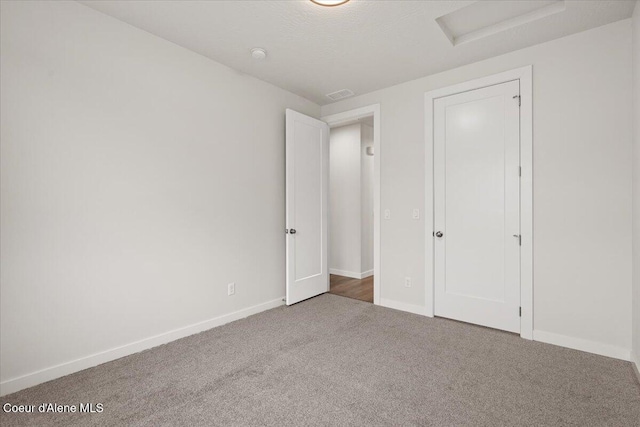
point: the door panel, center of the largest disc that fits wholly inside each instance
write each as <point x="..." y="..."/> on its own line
<point x="307" y="153"/>
<point x="308" y="200"/>
<point x="476" y="183"/>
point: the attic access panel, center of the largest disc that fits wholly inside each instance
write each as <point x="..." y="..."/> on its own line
<point x="484" y="18"/>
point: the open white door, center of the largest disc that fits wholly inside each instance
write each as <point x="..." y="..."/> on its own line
<point x="307" y="181"/>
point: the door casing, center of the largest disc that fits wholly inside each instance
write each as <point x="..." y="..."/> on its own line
<point x="524" y="76"/>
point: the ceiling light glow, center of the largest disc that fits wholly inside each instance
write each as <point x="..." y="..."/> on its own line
<point x="329" y="2"/>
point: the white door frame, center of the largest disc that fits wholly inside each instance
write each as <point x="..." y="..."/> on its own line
<point x="346" y="117"/>
<point x="524" y="75"/>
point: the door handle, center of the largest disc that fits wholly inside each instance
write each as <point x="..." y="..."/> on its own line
<point x="292" y="231"/>
<point x="438" y="234"/>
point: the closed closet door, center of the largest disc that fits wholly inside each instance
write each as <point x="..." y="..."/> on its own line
<point x="476" y="204"/>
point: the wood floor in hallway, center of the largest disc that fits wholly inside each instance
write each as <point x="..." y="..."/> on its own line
<point x="360" y="289"/>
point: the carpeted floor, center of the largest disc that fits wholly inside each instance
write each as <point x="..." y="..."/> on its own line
<point x="337" y="361"/>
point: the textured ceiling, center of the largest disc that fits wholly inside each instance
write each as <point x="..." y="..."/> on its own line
<point x="363" y="45"/>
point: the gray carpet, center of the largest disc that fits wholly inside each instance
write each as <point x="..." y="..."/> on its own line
<point x="337" y="361"/>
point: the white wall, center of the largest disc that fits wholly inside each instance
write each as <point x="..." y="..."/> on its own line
<point x="636" y="184"/>
<point x="582" y="184"/>
<point x="366" y="189"/>
<point x="345" y="257"/>
<point x="138" y="179"/>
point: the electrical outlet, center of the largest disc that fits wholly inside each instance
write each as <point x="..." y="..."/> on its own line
<point x="416" y="214"/>
<point x="231" y="289"/>
<point x="387" y="214"/>
<point x="407" y="282"/>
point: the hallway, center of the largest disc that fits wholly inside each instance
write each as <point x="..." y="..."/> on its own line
<point x="360" y="289"/>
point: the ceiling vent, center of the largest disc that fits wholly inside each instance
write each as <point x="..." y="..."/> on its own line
<point x="340" y="94"/>
<point x="485" y="18"/>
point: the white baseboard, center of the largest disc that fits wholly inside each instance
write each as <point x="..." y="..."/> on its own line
<point x="582" y="345"/>
<point x="366" y="274"/>
<point x="635" y="360"/>
<point x="403" y="306"/>
<point x="352" y="274"/>
<point x="48" y="374"/>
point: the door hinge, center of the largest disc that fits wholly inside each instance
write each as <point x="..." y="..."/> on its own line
<point x="520" y="311"/>
<point x="520" y="171"/>
<point x="519" y="99"/>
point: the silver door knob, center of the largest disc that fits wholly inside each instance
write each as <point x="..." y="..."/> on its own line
<point x="439" y="234"/>
<point x="292" y="231"/>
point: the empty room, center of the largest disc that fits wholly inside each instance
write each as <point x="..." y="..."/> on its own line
<point x="320" y="212"/>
